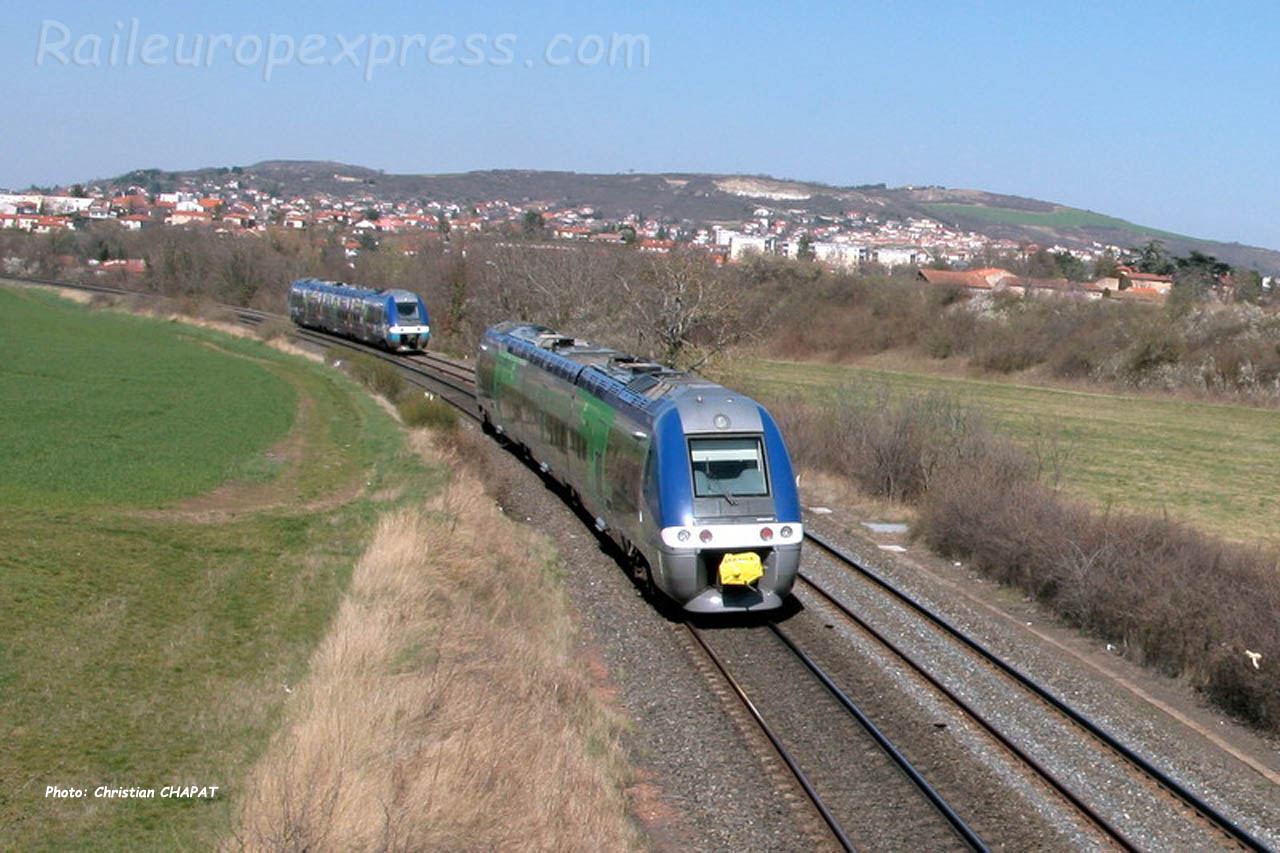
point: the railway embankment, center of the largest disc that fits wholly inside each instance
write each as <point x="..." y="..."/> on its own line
<point x="446" y="705"/>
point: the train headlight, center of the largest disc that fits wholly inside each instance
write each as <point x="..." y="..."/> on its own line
<point x="683" y="535"/>
<point x="786" y="532"/>
<point x="705" y="535"/>
<point x="766" y="533"/>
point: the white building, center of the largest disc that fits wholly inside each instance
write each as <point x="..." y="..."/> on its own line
<point x="900" y="256"/>
<point x="742" y="244"/>
<point x="724" y="236"/>
<point x="175" y="198"/>
<point x="56" y="205"/>
<point x="846" y="255"/>
<point x="50" y="205"/>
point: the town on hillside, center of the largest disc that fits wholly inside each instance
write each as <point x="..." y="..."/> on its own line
<point x="228" y="203"/>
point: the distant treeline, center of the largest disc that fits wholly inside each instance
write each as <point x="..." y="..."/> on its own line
<point x="1218" y="334"/>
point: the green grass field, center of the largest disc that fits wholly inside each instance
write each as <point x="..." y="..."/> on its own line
<point x="150" y="623"/>
<point x="1060" y="217"/>
<point x="95" y="412"/>
<point x="1214" y="466"/>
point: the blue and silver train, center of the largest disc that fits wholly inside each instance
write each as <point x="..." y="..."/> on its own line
<point x="690" y="479"/>
<point x="394" y="319"/>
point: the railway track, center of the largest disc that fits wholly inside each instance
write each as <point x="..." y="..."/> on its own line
<point x="885" y="803"/>
<point x="1113" y="787"/>
<point x="1148" y="789"/>
<point x="449" y="379"/>
<point x="455" y="370"/>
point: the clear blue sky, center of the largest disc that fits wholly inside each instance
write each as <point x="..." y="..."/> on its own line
<point x="1161" y="113"/>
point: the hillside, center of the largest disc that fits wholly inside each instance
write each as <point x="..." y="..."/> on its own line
<point x="710" y="198"/>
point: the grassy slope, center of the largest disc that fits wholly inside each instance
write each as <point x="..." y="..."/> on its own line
<point x="153" y="648"/>
<point x="1061" y="217"/>
<point x="1215" y="466"/>
<point x="98" y="413"/>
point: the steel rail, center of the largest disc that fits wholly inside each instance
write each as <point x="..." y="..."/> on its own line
<point x="957" y="823"/>
<point x="1176" y="789"/>
<point x="783" y="753"/>
<point x="1039" y="769"/>
<point x="465" y="390"/>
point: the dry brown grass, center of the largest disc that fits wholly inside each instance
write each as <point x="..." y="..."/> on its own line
<point x="445" y="709"/>
<point x="822" y="488"/>
<point x="79" y="296"/>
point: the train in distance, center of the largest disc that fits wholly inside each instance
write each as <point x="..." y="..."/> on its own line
<point x="393" y="319"/>
<point x="690" y="479"/>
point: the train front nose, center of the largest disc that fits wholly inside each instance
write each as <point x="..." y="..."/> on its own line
<point x="746" y="575"/>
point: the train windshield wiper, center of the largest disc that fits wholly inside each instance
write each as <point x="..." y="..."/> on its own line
<point x="727" y="495"/>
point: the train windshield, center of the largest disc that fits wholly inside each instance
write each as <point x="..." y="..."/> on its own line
<point x="729" y="467"/>
<point x="407" y="309"/>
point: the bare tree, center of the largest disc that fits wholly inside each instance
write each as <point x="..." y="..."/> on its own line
<point x="559" y="286"/>
<point x="684" y="311"/>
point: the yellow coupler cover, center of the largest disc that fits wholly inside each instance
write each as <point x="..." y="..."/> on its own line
<point x="740" y="569"/>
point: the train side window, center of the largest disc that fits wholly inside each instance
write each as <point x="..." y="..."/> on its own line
<point x="650" y="485"/>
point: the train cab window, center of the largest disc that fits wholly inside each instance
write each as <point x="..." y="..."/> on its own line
<point x="728" y="466"/>
<point x="407" y="309"/>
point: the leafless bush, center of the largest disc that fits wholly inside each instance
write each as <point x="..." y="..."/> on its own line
<point x="424" y="410"/>
<point x="955" y="517"/>
<point x="1168" y="596"/>
<point x="890" y="448"/>
<point x="104" y="300"/>
<point x="1157" y="344"/>
<point x="683" y="310"/>
<point x="840" y="315"/>
<point x="273" y="329"/>
<point x="1078" y="350"/>
<point x="956" y="332"/>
